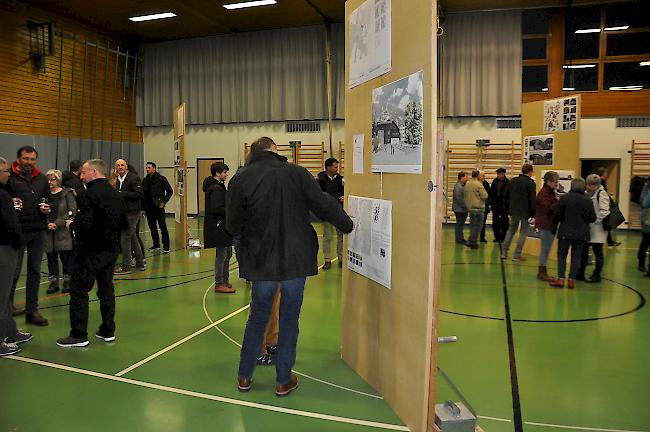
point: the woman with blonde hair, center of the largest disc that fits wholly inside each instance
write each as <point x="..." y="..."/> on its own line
<point x="598" y="235"/>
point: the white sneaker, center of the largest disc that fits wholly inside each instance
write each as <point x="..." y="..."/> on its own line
<point x="8" y="349"/>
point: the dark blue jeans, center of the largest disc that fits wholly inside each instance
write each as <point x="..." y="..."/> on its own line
<point x="460" y="223"/>
<point x="291" y="292"/>
<point x="35" y="246"/>
<point x="476" y="224"/>
<point x="221" y="264"/>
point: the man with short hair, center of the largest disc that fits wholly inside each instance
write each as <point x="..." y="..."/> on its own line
<point x="499" y="204"/>
<point x="486" y="185"/>
<point x="28" y="184"/>
<point x="157" y="193"/>
<point x="71" y="177"/>
<point x="268" y="204"/>
<point x="331" y="182"/>
<point x="475" y="197"/>
<point x="458" y="206"/>
<point x="10" y="240"/>
<point x="97" y="225"/>
<point x="521" y="198"/>
<point x="130" y="188"/>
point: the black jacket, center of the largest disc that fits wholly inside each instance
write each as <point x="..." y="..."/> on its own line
<point x="574" y="213"/>
<point x="73" y="182"/>
<point x="30" y="192"/>
<point x="521" y="196"/>
<point x="333" y="187"/>
<point x="100" y="218"/>
<point x="498" y="195"/>
<point x="207" y="182"/>
<point x="156" y="190"/>
<point x="131" y="192"/>
<point x="10" y="232"/>
<point x="214" y="228"/>
<point x="268" y="204"/>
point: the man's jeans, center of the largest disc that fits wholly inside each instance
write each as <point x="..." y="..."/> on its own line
<point x="128" y="240"/>
<point x="517" y="221"/>
<point x="547" y="237"/>
<point x="221" y="264"/>
<point x="460" y="223"/>
<point x="8" y="258"/>
<point x="35" y="245"/>
<point x="291" y="292"/>
<point x="476" y="224"/>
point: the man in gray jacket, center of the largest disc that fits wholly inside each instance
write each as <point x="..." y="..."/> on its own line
<point x="458" y="206"/>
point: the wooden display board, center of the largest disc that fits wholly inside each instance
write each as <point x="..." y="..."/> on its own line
<point x="180" y="224"/>
<point x="341" y="158"/>
<point x="639" y="166"/>
<point x="389" y="336"/>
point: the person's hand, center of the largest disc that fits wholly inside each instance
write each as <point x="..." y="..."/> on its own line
<point x="18" y="204"/>
<point x="161" y="205"/>
<point x="68" y="222"/>
<point x="51" y="226"/>
<point x="341" y="198"/>
<point x="44" y="208"/>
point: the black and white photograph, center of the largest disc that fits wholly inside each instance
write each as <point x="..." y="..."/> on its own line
<point x="560" y="114"/>
<point x="397" y="128"/>
<point x="539" y="150"/>
<point x="180" y="180"/>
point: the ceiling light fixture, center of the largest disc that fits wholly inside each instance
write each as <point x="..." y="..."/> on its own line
<point x="595" y="30"/>
<point x="644" y="63"/>
<point x="153" y="17"/>
<point x="628" y="88"/>
<point x="625" y="27"/>
<point x="545" y="89"/>
<point x="249" y="4"/>
<point x="568" y="88"/>
<point x="579" y="66"/>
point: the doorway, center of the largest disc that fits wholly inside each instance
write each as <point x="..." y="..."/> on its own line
<point x="203" y="171"/>
<point x="612" y="171"/>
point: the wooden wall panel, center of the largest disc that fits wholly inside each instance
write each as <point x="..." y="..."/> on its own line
<point x="80" y="95"/>
<point x="606" y="103"/>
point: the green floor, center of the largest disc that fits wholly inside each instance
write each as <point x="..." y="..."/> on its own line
<point x="587" y="368"/>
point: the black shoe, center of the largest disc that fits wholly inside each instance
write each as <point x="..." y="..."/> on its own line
<point x="19" y="338"/>
<point x="8" y="349"/>
<point x="36" y="319"/>
<point x="165" y="249"/>
<point x="483" y="240"/>
<point x="593" y="279"/>
<point x="105" y="338"/>
<point x="71" y="342"/>
<point x="54" y="285"/>
<point x="121" y="270"/>
<point x="327" y="265"/>
<point x="471" y="246"/>
<point x="154" y="248"/>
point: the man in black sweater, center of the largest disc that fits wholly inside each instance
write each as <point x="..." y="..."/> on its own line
<point x="521" y="198"/>
<point x="129" y="186"/>
<point x="157" y="193"/>
<point x="71" y="177"/>
<point x="28" y="184"/>
<point x="100" y="219"/>
<point x="331" y="182"/>
<point x="499" y="203"/>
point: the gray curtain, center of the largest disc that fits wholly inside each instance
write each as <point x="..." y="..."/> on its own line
<point x="481" y="64"/>
<point x="273" y="75"/>
<point x="338" y="71"/>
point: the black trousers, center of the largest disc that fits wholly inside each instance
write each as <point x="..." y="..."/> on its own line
<point x="88" y="268"/>
<point x="643" y="248"/>
<point x="35" y="246"/>
<point x="563" y="246"/>
<point x="500" y="224"/>
<point x="485" y="215"/>
<point x="156" y="216"/>
<point x="599" y="258"/>
<point x="67" y="258"/>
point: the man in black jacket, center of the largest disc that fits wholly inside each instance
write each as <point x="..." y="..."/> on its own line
<point x="97" y="225"/>
<point x="71" y="178"/>
<point x="157" y="193"/>
<point x="521" y="198"/>
<point x="499" y="203"/>
<point x="268" y="204"/>
<point x="29" y="185"/>
<point x="331" y="182"/>
<point x="129" y="186"/>
<point x="10" y="240"/>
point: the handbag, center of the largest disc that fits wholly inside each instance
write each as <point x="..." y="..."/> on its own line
<point x="615" y="216"/>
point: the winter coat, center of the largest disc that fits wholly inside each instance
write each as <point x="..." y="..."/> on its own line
<point x="644" y="198"/>
<point x="10" y="231"/>
<point x="72" y="181"/>
<point x="100" y="218"/>
<point x="498" y="195"/>
<point x="600" y="200"/>
<point x="333" y="186"/>
<point x="521" y="196"/>
<point x="207" y="182"/>
<point x="214" y="227"/>
<point x="574" y="212"/>
<point x="458" y="203"/>
<point x="545" y="208"/>
<point x="475" y="195"/>
<point x="63" y="206"/>
<point x="486" y="186"/>
<point x="131" y="192"/>
<point x="268" y="204"/>
<point x="156" y="189"/>
<point x="30" y="192"/>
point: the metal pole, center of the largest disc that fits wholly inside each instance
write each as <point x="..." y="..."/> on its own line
<point x="83" y="92"/>
<point x="328" y="62"/>
<point x="124" y="83"/>
<point x="58" y="104"/>
<point x="135" y="73"/>
<point x="117" y="60"/>
<point x="74" y="52"/>
<point x="93" y="103"/>
<point x="104" y="98"/>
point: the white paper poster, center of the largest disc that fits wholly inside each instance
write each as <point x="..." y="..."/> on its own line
<point x="370" y="41"/>
<point x="177" y="212"/>
<point x="370" y="243"/>
<point x="180" y="180"/>
<point x="539" y="150"/>
<point x="397" y="128"/>
<point x="177" y="152"/>
<point x="180" y="121"/>
<point x="561" y="114"/>
<point x="564" y="185"/>
<point x="357" y="154"/>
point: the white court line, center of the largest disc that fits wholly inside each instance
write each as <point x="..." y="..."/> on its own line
<point x="309" y="414"/>
<point x="23" y="287"/>
<point x="182" y="341"/>
<point x="579" y="427"/>
<point x="494" y="418"/>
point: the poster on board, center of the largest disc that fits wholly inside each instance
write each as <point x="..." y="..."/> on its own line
<point x="561" y="114"/>
<point x="370" y="41"/>
<point x="180" y="120"/>
<point x="539" y="149"/>
<point x="397" y="126"/>
<point x="564" y="184"/>
<point x="180" y="180"/>
<point x="177" y="152"/>
<point x="370" y="243"/>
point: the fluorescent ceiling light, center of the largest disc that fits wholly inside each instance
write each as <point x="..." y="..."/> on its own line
<point x="595" y="30"/>
<point x="579" y="66"/>
<point x="545" y="89"/>
<point x="644" y="63"/>
<point x="153" y="17"/>
<point x="625" y="27"/>
<point x="249" y="4"/>
<point x="630" y="87"/>
<point x="568" y="88"/>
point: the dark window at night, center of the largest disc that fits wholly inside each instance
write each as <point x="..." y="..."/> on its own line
<point x="534" y="49"/>
<point x="634" y="14"/>
<point x="534" y="21"/>
<point x="627" y="43"/>
<point x="535" y="78"/>
<point x="626" y="74"/>
<point x="581" y="45"/>
<point x="585" y="79"/>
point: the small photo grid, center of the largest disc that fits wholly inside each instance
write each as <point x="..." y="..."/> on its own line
<point x="355" y="259"/>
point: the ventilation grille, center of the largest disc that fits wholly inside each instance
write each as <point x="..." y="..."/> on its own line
<point x="293" y="127"/>
<point x="632" y="122"/>
<point x="509" y="123"/>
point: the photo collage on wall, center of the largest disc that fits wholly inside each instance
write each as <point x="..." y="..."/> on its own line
<point x="539" y="150"/>
<point x="561" y="114"/>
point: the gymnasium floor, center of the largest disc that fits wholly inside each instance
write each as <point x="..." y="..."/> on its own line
<point x="581" y="356"/>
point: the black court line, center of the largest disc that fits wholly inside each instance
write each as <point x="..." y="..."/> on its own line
<point x="514" y="382"/>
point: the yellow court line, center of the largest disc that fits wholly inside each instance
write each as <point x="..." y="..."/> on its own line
<point x="272" y="408"/>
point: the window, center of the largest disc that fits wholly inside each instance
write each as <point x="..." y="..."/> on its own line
<point x="535" y="79"/>
<point x="628" y="43"/>
<point x="534" y="49"/>
<point x="626" y="76"/>
<point x="582" y="33"/>
<point x="579" y="78"/>
<point x="535" y="33"/>
<point x="633" y="14"/>
<point x="535" y="21"/>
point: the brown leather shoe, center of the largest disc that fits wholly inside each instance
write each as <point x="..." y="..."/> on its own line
<point x="284" y="389"/>
<point x="223" y="288"/>
<point x="327" y="265"/>
<point x="15" y="311"/>
<point x="558" y="283"/>
<point x="36" y="319"/>
<point x="244" y="384"/>
<point x="571" y="283"/>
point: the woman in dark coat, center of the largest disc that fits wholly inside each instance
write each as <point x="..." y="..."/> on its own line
<point x="214" y="228"/>
<point x="573" y="213"/>
<point x="545" y="204"/>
